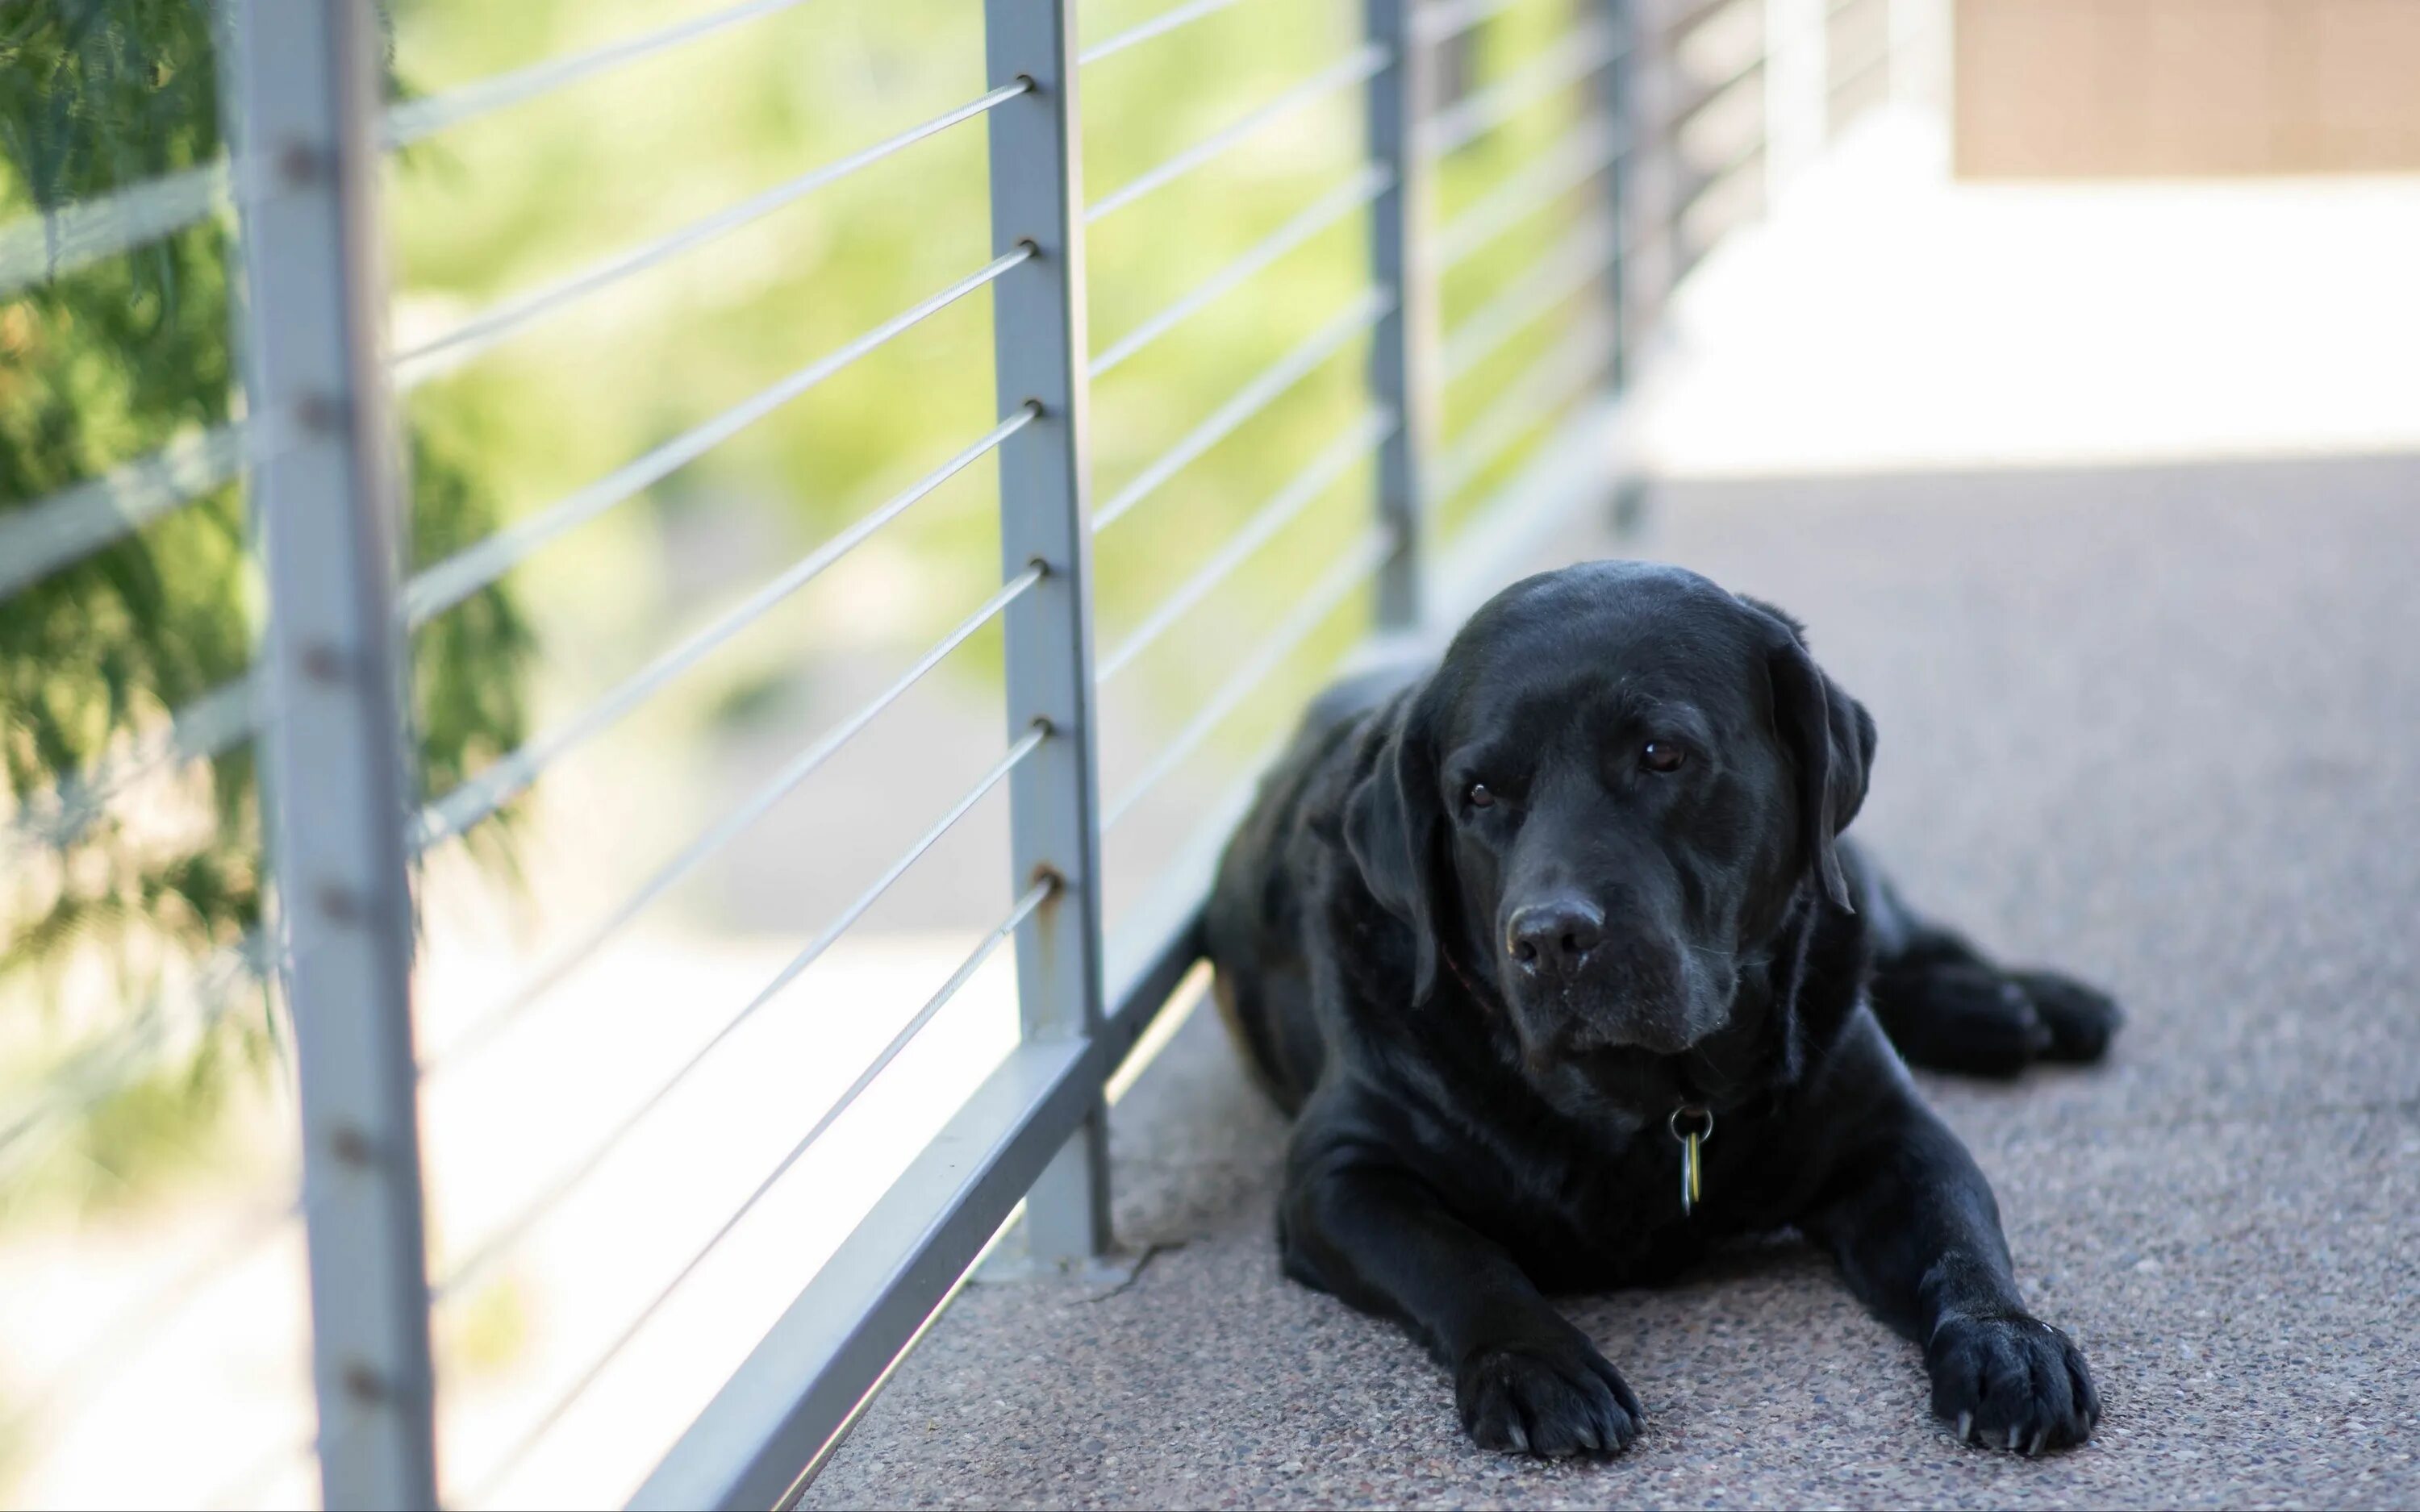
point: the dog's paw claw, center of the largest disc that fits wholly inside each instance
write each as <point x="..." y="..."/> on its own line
<point x="1553" y="1400"/>
<point x="2014" y="1382"/>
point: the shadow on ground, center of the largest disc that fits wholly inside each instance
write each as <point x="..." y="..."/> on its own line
<point x="2157" y="725"/>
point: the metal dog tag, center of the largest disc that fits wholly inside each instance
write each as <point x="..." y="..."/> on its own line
<point x="1692" y="1180"/>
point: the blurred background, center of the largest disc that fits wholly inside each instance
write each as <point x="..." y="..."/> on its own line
<point x="1984" y="235"/>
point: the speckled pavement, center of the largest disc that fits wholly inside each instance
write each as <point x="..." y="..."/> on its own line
<point x="2159" y="725"/>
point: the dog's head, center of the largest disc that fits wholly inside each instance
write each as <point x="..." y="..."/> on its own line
<point x="1601" y="808"/>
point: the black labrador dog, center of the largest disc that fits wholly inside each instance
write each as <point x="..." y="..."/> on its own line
<point x="1557" y="960"/>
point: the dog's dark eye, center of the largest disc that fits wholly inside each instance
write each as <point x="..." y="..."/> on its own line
<point x="1479" y="797"/>
<point x="1661" y="756"/>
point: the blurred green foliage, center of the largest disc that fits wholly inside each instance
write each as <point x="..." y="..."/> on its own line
<point x="100" y="367"/>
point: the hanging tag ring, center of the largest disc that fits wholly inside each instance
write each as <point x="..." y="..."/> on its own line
<point x="1692" y="1183"/>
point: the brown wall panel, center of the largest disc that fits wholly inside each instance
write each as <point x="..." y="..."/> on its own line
<point x="2091" y="88"/>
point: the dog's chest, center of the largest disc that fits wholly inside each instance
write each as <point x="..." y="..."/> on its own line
<point x="1584" y="1213"/>
<point x="1580" y="1216"/>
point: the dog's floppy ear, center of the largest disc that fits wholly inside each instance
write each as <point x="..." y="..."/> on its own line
<point x="1831" y="741"/>
<point x="1392" y="826"/>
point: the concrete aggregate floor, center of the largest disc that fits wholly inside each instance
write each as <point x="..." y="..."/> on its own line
<point x="2159" y="725"/>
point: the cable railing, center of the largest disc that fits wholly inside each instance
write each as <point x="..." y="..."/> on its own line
<point x="1714" y="94"/>
<point x="1033" y="897"/>
<point x="1261" y="391"/>
<point x="205" y="727"/>
<point x="513" y="775"/>
<point x="1586" y="49"/>
<point x="737" y="820"/>
<point x="1330" y="210"/>
<point x="1364" y="62"/>
<point x="1562" y="272"/>
<point x="1283" y="508"/>
<point x="1159" y="26"/>
<point x="123" y="1057"/>
<point x="439" y="588"/>
<point x="418" y="120"/>
<point x="1444" y="18"/>
<point x="484" y="333"/>
<point x="53" y="243"/>
<point x="1534" y="399"/>
<point x="344" y="832"/>
<point x="1583" y="152"/>
<point x="564" y="1182"/>
<point x="1314" y="610"/>
<point x="81" y="519"/>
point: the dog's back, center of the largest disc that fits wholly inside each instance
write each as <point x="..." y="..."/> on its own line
<point x="1251" y="928"/>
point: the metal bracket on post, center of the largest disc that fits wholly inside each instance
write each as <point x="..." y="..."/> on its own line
<point x="305" y="101"/>
<point x="1402" y="348"/>
<point x="1039" y="352"/>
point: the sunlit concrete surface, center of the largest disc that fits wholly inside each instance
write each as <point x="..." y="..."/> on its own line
<point x="1888" y="317"/>
<point x="2155" y="724"/>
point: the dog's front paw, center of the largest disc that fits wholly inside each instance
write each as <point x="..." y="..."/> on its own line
<point x="1554" y="1399"/>
<point x="2011" y="1382"/>
<point x="2081" y="1020"/>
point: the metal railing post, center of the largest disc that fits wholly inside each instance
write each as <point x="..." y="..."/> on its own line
<point x="1403" y="348"/>
<point x="1613" y="99"/>
<point x="325" y="510"/>
<point x="1039" y="352"/>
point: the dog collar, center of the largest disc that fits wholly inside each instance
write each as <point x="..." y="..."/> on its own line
<point x="1702" y="1121"/>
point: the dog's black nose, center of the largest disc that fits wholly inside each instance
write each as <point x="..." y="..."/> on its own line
<point x="1554" y="937"/>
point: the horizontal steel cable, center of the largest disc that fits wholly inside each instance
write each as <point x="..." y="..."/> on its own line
<point x="1746" y="157"/>
<point x="1581" y="155"/>
<point x="1435" y="22"/>
<point x="1033" y="899"/>
<point x="1713" y="93"/>
<point x="724" y="829"/>
<point x="1364" y="62"/>
<point x="1583" y="50"/>
<point x="1688" y="17"/>
<point x="509" y="776"/>
<point x="415" y="119"/>
<point x="125" y="1053"/>
<point x="47" y="243"/>
<point x="205" y="727"/>
<point x="483" y="333"/>
<point x="83" y="518"/>
<point x="1525" y="405"/>
<point x="1309" y="614"/>
<point x="1286" y="505"/>
<point x="1562" y="272"/>
<point x="1159" y="26"/>
<point x="1330" y="209"/>
<point x="441" y="587"/>
<point x="567" y="1179"/>
<point x="1263" y="390"/>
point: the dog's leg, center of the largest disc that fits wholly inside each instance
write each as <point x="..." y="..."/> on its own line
<point x="1918" y="1234"/>
<point x="1949" y="1008"/>
<point x="1525" y="1380"/>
